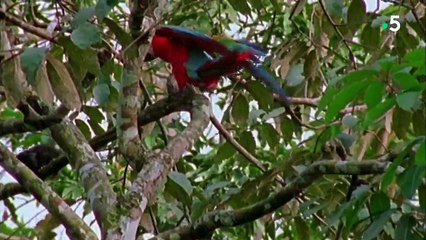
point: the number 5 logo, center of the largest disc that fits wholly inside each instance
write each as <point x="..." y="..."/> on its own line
<point x="395" y="25"/>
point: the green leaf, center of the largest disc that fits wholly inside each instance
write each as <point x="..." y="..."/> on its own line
<point x="9" y="113"/>
<point x="225" y="151"/>
<point x="377" y="22"/>
<point x="405" y="80"/>
<point x="411" y="180"/>
<point x="94" y="113"/>
<point x="334" y="217"/>
<point x="179" y="187"/>
<point x="390" y="172"/>
<point x="277" y="6"/>
<point x="385" y="64"/>
<point x="416" y="58"/>
<point x="409" y="100"/>
<point x="349" y="121"/>
<point x="343" y="97"/>
<point x="374" y="93"/>
<point x="96" y="127"/>
<point x="257" y="4"/>
<point x="377" y="225"/>
<point x="31" y="139"/>
<point x="123" y="37"/>
<point x="378" y="111"/>
<point x="254" y="114"/>
<point x="404" y="226"/>
<point x="85" y="35"/>
<point x="62" y="83"/>
<point x="197" y="209"/>
<point x="31" y="60"/>
<point x="380" y="202"/>
<point x="360" y="193"/>
<point x="268" y="133"/>
<point x="274" y="113"/>
<point x="240" y="110"/>
<point x="103" y="7"/>
<point x="209" y="191"/>
<point x="82" y="61"/>
<point x="370" y="37"/>
<point x="261" y="94"/>
<point x="346" y="139"/>
<point x="246" y="140"/>
<point x="334" y="7"/>
<point x="401" y="122"/>
<point x="328" y="96"/>
<point x="302" y="229"/>
<point x="356" y="14"/>
<point x="359" y="75"/>
<point x="82" y="16"/>
<point x="422" y="199"/>
<point x="358" y="196"/>
<point x="101" y="93"/>
<point x="182" y="181"/>
<point x="287" y="129"/>
<point x="84" y="128"/>
<point x="421" y="154"/>
<point x="295" y="75"/>
<point x="240" y="6"/>
<point x="419" y="119"/>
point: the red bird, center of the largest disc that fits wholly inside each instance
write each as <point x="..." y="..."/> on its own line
<point x="184" y="50"/>
<point x="192" y="53"/>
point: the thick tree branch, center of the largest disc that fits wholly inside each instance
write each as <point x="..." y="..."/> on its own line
<point x="75" y="226"/>
<point x="143" y="14"/>
<point x="130" y="143"/>
<point x="91" y="171"/>
<point x="154" y="174"/>
<point x="229" y="218"/>
<point x="175" y="102"/>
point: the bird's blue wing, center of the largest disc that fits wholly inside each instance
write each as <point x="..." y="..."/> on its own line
<point x="254" y="48"/>
<point x="193" y="39"/>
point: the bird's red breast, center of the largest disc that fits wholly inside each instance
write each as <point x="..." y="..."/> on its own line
<point x="174" y="53"/>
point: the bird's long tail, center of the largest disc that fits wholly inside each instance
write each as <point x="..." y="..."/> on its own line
<point x="269" y="80"/>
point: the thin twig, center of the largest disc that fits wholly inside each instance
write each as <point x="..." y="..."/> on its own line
<point x="351" y="54"/>
<point x="27" y="27"/>
<point x="236" y="144"/>
<point x="413" y="11"/>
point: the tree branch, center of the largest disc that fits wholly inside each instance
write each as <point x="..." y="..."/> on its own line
<point x="75" y="226"/>
<point x="26" y="26"/>
<point x="91" y="171"/>
<point x="154" y="174"/>
<point x="237" y="145"/>
<point x="175" y="102"/>
<point x="130" y="144"/>
<point x="229" y="218"/>
<point x="143" y="14"/>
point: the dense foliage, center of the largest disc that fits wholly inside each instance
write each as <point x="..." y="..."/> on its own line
<point x="346" y="160"/>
